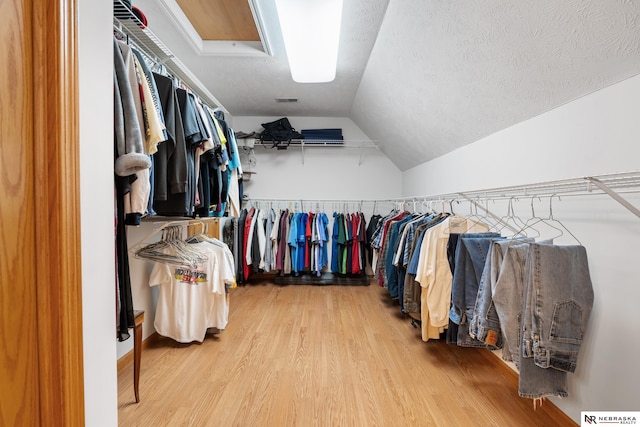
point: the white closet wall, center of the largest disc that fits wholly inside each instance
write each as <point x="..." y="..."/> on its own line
<point x="327" y="173"/>
<point x="95" y="58"/>
<point x="596" y="134"/>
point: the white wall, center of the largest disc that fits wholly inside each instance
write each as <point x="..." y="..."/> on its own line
<point x="96" y="204"/>
<point x="597" y="134"/>
<point x="327" y="173"/>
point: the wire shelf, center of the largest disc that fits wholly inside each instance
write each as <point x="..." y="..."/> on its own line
<point x="127" y="23"/>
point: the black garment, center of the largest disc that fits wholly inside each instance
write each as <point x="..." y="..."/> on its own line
<point x="371" y="228"/>
<point x="255" y="246"/>
<point x="240" y="192"/>
<point x="452" y="244"/>
<point x="166" y="149"/>
<point x="224" y="187"/>
<point x="204" y="185"/>
<point x="172" y="190"/>
<point x="125" y="316"/>
<point x="363" y="241"/>
<point x="241" y="230"/>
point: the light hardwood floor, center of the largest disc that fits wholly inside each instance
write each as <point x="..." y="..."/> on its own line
<point x="322" y="356"/>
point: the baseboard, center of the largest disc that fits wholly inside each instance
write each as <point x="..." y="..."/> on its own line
<point x="128" y="358"/>
<point x="548" y="406"/>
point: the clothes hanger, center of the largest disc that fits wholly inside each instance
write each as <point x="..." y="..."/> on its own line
<point x="511" y="217"/>
<point x="531" y="222"/>
<point x="558" y="222"/>
<point x="170" y="248"/>
<point x="473" y="214"/>
<point x="203" y="236"/>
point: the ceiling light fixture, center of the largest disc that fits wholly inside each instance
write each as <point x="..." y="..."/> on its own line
<point x="311" y="32"/>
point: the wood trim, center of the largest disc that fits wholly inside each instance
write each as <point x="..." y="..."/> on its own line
<point x="19" y="375"/>
<point x="506" y="371"/>
<point x="57" y="223"/>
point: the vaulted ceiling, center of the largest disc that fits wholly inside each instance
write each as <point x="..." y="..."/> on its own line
<point x="424" y="77"/>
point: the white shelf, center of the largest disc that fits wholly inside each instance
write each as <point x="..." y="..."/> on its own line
<point x="302" y="144"/>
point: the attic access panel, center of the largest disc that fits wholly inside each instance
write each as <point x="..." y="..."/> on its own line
<point x="221" y="19"/>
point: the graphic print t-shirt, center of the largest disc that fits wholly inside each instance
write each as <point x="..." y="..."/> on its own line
<point x="193" y="298"/>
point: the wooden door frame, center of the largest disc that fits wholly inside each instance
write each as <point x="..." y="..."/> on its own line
<point x="57" y="224"/>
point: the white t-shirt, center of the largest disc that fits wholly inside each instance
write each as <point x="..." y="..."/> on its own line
<point x="192" y="299"/>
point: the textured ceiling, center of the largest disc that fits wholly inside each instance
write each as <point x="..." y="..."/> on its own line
<point x="444" y="74"/>
<point x="424" y="77"/>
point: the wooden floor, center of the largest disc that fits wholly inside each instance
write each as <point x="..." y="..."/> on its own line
<point x="322" y="356"/>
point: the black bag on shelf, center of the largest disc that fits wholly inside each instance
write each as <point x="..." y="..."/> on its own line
<point x="279" y="132"/>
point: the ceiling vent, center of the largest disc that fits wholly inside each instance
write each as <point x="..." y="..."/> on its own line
<point x="286" y="100"/>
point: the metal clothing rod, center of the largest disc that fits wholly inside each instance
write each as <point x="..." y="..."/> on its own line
<point x="582" y="185"/>
<point x="316" y="200"/>
<point x="588" y="185"/>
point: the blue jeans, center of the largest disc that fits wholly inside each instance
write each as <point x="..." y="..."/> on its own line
<point x="470" y="259"/>
<point x="485" y="323"/>
<point x="507" y="288"/>
<point x="560" y="302"/>
<point x="534" y="381"/>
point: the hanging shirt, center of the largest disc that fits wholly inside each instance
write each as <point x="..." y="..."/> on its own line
<point x="192" y="299"/>
<point x="292" y="241"/>
<point x="434" y="273"/>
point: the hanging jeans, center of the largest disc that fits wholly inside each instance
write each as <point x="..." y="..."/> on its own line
<point x="561" y="299"/>
<point x="535" y="382"/>
<point x="485" y="323"/>
<point x="508" y="293"/>
<point x="470" y="259"/>
<point x="558" y="298"/>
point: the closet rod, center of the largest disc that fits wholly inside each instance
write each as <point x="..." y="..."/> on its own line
<point x="314" y="200"/>
<point x="587" y="185"/>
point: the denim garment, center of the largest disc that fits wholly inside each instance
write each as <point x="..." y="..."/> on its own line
<point x="452" y="246"/>
<point x="562" y="298"/>
<point x="535" y="382"/>
<point x="391" y="270"/>
<point x="471" y="255"/>
<point x="485" y="324"/>
<point x="507" y="280"/>
<point x="334" y="244"/>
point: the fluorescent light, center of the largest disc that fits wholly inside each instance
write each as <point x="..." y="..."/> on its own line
<point x="311" y="32"/>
